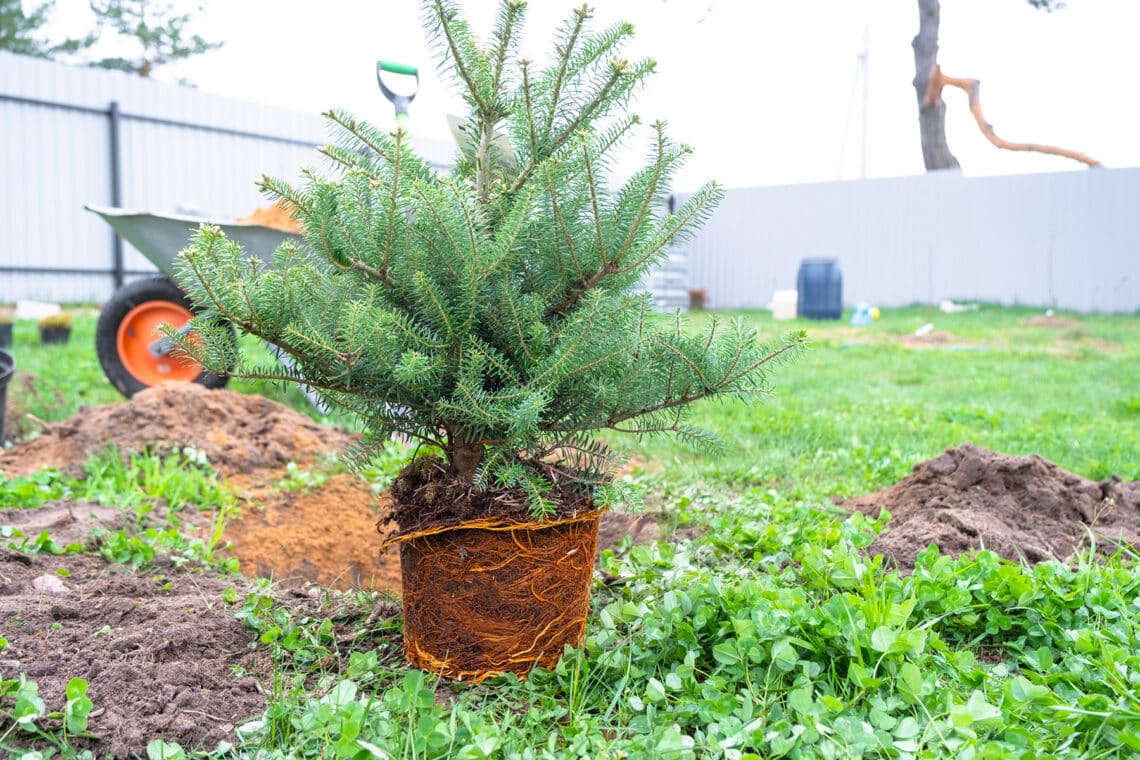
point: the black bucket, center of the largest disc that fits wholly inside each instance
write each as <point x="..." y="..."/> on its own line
<point x="819" y="287"/>
<point x="7" y="369"/>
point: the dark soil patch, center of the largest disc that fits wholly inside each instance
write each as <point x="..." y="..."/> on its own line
<point x="67" y="522"/>
<point x="641" y="529"/>
<point x="929" y="339"/>
<point x="238" y="432"/>
<point x="162" y="654"/>
<point x="425" y="495"/>
<point x="1019" y="507"/>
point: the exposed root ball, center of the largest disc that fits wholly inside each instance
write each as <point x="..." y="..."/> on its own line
<point x="483" y="601"/>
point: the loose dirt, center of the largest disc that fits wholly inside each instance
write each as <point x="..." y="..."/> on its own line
<point x="279" y="216"/>
<point x="239" y="433"/>
<point x="1019" y="507"/>
<point x="326" y="534"/>
<point x="162" y="654"/>
<point x="1055" y="322"/>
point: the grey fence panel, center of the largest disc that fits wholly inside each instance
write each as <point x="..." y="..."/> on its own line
<point x="1067" y="240"/>
<point x="180" y="150"/>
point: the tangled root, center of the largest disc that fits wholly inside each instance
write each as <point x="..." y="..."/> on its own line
<point x="485" y="598"/>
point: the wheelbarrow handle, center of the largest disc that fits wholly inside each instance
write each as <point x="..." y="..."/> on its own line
<point x="399" y="101"/>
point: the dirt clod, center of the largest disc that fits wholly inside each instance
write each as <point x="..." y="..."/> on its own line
<point x="1019" y="507"/>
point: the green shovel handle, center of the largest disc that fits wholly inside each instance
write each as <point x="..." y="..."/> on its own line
<point x="397" y="68"/>
<point x="398" y="100"/>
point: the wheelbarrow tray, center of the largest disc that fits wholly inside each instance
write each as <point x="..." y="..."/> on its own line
<point x="160" y="237"/>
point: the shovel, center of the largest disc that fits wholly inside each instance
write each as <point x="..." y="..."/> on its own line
<point x="400" y="101"/>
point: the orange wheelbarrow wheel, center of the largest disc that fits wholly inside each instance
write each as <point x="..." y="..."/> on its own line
<point x="134" y="355"/>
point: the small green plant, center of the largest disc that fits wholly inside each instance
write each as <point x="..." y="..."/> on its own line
<point x="59" y="321"/>
<point x="299" y="479"/>
<point x="24" y="714"/>
<point x="34" y="490"/>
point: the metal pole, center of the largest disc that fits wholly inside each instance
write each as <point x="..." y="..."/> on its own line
<point x="116" y="191"/>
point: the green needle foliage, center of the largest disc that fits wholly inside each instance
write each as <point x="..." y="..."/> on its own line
<point x="493" y="311"/>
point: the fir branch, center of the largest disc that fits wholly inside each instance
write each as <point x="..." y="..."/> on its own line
<point x="524" y="66"/>
<point x="284" y="191"/>
<point x="511" y="227"/>
<point x="511" y="13"/>
<point x="393" y="203"/>
<point x="561" y="219"/>
<point x="650" y="194"/>
<point x="442" y="256"/>
<point x="583" y="118"/>
<point x="567" y="50"/>
<point x="349" y="161"/>
<point x="697" y="206"/>
<point x="592" y="184"/>
<point x="515" y="321"/>
<point x="445" y="14"/>
<point x="429" y="294"/>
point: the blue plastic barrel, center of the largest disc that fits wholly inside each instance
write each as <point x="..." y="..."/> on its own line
<point x="819" y="286"/>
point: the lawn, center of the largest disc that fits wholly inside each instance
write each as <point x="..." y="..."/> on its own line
<point x="762" y="630"/>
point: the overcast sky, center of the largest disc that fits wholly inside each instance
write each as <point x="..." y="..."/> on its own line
<point x="761" y="88"/>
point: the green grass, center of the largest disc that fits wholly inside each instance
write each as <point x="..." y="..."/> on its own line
<point x="772" y="635"/>
<point x="65" y="378"/>
<point x="859" y="411"/>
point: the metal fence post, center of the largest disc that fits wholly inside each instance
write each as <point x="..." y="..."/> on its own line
<point x="116" y="192"/>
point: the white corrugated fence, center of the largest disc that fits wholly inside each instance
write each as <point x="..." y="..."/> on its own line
<point x="1066" y="240"/>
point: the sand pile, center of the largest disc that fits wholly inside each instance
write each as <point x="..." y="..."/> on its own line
<point x="279" y="216"/>
<point x="1020" y="507"/>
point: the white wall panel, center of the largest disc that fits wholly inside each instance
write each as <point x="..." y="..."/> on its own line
<point x="1068" y="240"/>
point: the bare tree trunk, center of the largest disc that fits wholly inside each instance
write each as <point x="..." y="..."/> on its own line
<point x="931" y="116"/>
<point x="464" y="459"/>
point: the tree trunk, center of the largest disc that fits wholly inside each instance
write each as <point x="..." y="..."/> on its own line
<point x="931" y="116"/>
<point x="464" y="459"/>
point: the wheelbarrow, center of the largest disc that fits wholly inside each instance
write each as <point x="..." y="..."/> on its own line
<point x="133" y="354"/>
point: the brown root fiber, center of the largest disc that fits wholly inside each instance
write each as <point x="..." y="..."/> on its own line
<point x="482" y="601"/>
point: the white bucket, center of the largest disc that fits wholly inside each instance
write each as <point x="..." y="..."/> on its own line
<point x="783" y="304"/>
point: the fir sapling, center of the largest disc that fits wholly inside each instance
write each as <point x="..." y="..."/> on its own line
<point x="491" y="311"/>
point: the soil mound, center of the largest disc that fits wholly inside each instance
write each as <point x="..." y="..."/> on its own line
<point x="325" y="534"/>
<point x="238" y="432"/>
<point x="160" y="660"/>
<point x="1019" y="507"/>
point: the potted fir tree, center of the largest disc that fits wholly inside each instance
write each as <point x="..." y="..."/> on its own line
<point x="55" y="328"/>
<point x="491" y="314"/>
<point x="5" y="330"/>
